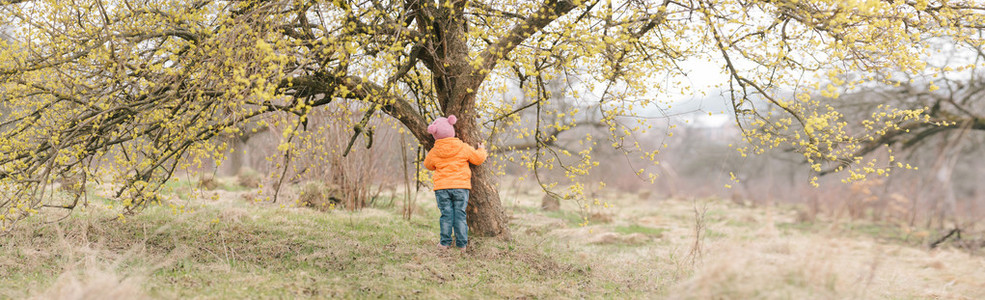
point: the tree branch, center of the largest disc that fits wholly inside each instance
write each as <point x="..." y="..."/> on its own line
<point x="359" y="89"/>
<point x="547" y="13"/>
<point x="896" y="135"/>
<point x="9" y="2"/>
<point x="550" y="139"/>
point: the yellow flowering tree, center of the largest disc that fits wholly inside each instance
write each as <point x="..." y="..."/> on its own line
<point x="146" y="86"/>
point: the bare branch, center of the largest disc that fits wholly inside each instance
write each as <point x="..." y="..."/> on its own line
<point x="549" y="139"/>
<point x="360" y="89"/>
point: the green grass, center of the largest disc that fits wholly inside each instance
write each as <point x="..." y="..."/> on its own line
<point x="183" y="188"/>
<point x="650" y="231"/>
<point x="885" y="232"/>
<point x="232" y="187"/>
<point x="178" y="187"/>
<point x="713" y="234"/>
<point x="882" y="231"/>
<point x="797" y="226"/>
<point x="572" y="218"/>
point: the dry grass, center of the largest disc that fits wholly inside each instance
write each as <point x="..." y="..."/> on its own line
<point x="94" y="281"/>
<point x="231" y="248"/>
<point x="752" y="253"/>
<point x="816" y="267"/>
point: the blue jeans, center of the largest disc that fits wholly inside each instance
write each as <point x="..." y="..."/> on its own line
<point x="451" y="203"/>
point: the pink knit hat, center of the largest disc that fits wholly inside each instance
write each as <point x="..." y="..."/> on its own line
<point x="442" y="127"/>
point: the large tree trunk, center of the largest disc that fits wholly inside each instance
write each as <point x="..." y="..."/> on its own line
<point x="485" y="211"/>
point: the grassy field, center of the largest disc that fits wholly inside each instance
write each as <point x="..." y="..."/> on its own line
<point x="222" y="245"/>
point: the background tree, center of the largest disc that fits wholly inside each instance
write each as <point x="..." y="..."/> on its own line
<point x="954" y="101"/>
<point x="142" y="87"/>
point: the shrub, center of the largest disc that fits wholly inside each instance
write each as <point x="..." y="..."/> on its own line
<point x="208" y="183"/>
<point x="319" y="195"/>
<point x="249" y="178"/>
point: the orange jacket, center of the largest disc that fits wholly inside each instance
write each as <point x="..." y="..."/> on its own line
<point x="449" y="159"/>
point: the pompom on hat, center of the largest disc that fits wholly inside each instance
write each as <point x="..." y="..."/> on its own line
<point x="442" y="127"/>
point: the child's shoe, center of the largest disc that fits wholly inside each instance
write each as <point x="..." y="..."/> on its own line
<point x="443" y="247"/>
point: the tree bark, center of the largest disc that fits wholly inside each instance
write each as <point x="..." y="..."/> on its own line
<point x="485" y="211"/>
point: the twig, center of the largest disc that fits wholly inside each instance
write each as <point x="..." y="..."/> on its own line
<point x="699" y="227"/>
<point x="359" y="129"/>
<point x="954" y="232"/>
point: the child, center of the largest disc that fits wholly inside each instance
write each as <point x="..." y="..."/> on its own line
<point x="449" y="159"/>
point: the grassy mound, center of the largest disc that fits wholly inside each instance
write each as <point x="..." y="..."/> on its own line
<point x="240" y="250"/>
